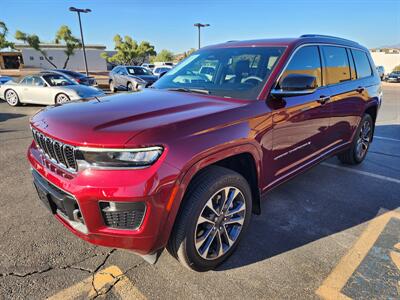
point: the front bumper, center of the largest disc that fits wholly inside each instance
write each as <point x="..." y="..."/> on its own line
<point x="152" y="186"/>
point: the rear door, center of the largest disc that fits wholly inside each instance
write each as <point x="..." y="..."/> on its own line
<point x="347" y="93"/>
<point x="300" y="122"/>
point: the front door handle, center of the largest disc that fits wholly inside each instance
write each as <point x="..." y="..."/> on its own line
<point x="360" y="89"/>
<point x="323" y="99"/>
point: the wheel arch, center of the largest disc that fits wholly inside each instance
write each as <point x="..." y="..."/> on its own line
<point x="372" y="110"/>
<point x="233" y="158"/>
<point x="57" y="94"/>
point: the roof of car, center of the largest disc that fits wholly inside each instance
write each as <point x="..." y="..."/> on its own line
<point x="305" y="38"/>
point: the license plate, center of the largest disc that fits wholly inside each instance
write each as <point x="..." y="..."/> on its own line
<point x="44" y="197"/>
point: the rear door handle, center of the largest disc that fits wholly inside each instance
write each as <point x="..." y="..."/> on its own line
<point x="323" y="99"/>
<point x="360" y="89"/>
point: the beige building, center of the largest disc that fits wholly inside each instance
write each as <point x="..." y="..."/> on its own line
<point x="388" y="59"/>
<point x="55" y="52"/>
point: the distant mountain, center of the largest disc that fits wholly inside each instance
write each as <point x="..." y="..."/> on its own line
<point x="391" y="46"/>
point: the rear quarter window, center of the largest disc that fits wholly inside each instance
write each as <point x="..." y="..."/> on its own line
<point x="363" y="67"/>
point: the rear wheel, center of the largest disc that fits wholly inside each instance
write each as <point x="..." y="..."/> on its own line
<point x="360" y="145"/>
<point x="62" y="98"/>
<point x="214" y="216"/>
<point x="12" y="98"/>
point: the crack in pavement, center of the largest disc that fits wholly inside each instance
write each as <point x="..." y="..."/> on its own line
<point x="98" y="268"/>
<point x="117" y="279"/>
<point x="65" y="267"/>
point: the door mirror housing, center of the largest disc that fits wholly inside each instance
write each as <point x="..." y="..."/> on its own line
<point x="296" y="84"/>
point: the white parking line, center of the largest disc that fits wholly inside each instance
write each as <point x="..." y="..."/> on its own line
<point x="347" y="169"/>
<point x="385" y="138"/>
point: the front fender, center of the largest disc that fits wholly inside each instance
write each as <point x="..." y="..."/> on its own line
<point x="191" y="169"/>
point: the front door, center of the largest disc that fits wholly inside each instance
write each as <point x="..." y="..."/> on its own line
<point x="300" y="122"/>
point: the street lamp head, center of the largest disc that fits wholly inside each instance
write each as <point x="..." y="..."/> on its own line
<point x="201" y="25"/>
<point x="80" y="10"/>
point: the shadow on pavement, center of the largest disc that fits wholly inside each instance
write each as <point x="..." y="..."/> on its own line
<point x="6" y="116"/>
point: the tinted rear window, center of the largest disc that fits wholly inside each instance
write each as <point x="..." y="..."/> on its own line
<point x="337" y="67"/>
<point x="361" y="60"/>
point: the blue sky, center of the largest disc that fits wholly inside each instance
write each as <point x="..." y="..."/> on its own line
<point x="169" y="23"/>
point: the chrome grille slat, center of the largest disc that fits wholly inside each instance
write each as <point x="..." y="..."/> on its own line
<point x="59" y="153"/>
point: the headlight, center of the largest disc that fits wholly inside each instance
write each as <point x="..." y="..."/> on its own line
<point x="117" y="158"/>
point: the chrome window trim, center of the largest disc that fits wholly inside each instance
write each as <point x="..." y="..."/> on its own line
<point x="322" y="65"/>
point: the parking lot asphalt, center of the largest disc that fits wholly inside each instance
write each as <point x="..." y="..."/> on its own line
<point x="331" y="232"/>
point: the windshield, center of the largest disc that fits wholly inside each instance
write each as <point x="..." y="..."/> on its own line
<point x="72" y="73"/>
<point x="58" y="80"/>
<point x="138" y="71"/>
<point x="228" y="72"/>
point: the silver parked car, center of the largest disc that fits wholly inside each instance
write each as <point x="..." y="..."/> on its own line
<point x="131" y="78"/>
<point x="381" y="71"/>
<point x="45" y="88"/>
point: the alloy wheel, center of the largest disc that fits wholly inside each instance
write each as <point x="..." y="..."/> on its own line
<point x="364" y="139"/>
<point x="220" y="223"/>
<point x="12" y="97"/>
<point x="62" y="98"/>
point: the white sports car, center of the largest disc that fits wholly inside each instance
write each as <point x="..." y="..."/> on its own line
<point x="45" y="88"/>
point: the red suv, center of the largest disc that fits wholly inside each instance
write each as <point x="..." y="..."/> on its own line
<point x="183" y="164"/>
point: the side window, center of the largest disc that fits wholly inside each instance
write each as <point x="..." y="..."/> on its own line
<point x="336" y="67"/>
<point x="363" y="66"/>
<point x="27" y="81"/>
<point x="352" y="67"/>
<point x="305" y="61"/>
<point x="37" y="81"/>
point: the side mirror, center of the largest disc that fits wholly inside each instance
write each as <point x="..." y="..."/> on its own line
<point x="296" y="84"/>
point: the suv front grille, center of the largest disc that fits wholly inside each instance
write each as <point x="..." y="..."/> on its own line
<point x="60" y="154"/>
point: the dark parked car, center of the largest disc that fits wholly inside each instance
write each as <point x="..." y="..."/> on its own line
<point x="76" y="76"/>
<point x="394" y="77"/>
<point x="131" y="78"/>
<point x="185" y="164"/>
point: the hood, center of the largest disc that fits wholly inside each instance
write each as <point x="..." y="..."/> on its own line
<point x="112" y="121"/>
<point x="147" y="78"/>
<point x="85" y="91"/>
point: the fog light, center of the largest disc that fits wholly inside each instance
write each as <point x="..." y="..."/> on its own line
<point x="122" y="215"/>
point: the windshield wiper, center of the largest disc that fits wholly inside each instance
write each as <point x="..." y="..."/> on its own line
<point x="186" y="90"/>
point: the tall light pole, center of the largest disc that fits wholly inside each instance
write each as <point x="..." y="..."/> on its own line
<point x="199" y="25"/>
<point x="79" y="11"/>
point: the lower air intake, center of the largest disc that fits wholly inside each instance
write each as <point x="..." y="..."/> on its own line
<point x="123" y="215"/>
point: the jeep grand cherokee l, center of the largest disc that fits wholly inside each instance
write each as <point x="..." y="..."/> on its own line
<point x="182" y="165"/>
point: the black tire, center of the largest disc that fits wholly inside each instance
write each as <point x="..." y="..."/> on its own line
<point x="112" y="87"/>
<point x="12" y="97"/>
<point x="352" y="155"/>
<point x="205" y="187"/>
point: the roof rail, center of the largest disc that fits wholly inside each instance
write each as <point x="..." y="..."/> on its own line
<point x="325" y="36"/>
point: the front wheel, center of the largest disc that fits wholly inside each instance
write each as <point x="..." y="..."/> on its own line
<point x="214" y="216"/>
<point x="131" y="87"/>
<point x="12" y="98"/>
<point x="360" y="145"/>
